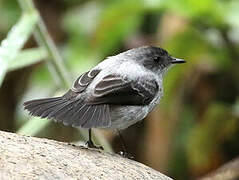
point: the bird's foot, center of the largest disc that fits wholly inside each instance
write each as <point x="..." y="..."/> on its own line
<point x="90" y="144"/>
<point x="125" y="155"/>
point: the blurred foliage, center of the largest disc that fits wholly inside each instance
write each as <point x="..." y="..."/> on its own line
<point x="196" y="127"/>
<point x="15" y="41"/>
<point x="27" y="58"/>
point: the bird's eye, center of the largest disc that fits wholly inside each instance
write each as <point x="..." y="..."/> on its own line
<point x="157" y="59"/>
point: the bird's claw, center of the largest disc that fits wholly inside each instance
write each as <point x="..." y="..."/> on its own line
<point x="125" y="155"/>
<point x="90" y="144"/>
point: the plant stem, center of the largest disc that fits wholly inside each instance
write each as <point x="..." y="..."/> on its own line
<point x="43" y="38"/>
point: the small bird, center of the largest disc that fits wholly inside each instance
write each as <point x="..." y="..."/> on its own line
<point x="116" y="93"/>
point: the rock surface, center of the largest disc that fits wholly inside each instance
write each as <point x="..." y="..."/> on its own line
<point x="23" y="157"/>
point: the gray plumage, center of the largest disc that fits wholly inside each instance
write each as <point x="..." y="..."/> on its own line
<point x="116" y="93"/>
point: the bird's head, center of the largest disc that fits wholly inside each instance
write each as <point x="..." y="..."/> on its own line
<point x="153" y="58"/>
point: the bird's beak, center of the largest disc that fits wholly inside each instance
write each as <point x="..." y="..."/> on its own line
<point x="177" y="60"/>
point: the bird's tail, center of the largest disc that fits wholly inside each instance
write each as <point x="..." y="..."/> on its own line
<point x="43" y="107"/>
<point x="70" y="112"/>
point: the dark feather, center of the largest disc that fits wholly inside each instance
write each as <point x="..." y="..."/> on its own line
<point x="91" y="117"/>
<point x="84" y="80"/>
<point x="70" y="112"/>
<point x="106" y="119"/>
<point x="115" y="90"/>
<point x="98" y="114"/>
<point x="33" y="106"/>
<point x="99" y="117"/>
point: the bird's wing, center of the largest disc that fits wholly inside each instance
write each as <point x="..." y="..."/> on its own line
<point x="84" y="80"/>
<point x="114" y="89"/>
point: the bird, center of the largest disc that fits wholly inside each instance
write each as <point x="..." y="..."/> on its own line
<point x="115" y="94"/>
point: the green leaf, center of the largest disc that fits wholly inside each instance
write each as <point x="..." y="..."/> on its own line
<point x="27" y="58"/>
<point x="15" y="40"/>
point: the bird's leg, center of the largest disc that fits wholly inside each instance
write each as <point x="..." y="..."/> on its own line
<point x="123" y="153"/>
<point x="90" y="143"/>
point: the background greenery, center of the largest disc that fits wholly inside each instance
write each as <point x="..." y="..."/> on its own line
<point x="194" y="130"/>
